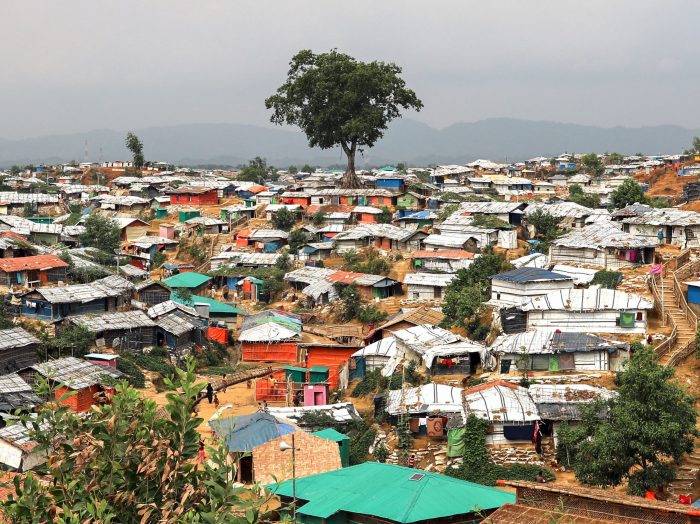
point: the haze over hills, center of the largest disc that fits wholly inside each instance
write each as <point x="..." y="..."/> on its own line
<point x="408" y="141"/>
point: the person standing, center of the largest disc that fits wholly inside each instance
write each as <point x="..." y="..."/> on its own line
<point x="412" y="461"/>
<point x="210" y="393"/>
<point x="200" y="452"/>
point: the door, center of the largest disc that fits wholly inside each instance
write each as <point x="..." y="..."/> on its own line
<point x="318" y="398"/>
<point x="437" y="292"/>
<point x="669" y="234"/>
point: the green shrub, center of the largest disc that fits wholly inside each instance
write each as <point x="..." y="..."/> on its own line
<point x="133" y="374"/>
<point x="371" y="382"/>
<point x="477" y="465"/>
<point x="370" y="314"/>
<point x="607" y="279"/>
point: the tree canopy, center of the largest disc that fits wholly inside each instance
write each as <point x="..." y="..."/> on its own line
<point x="284" y="219"/>
<point x="629" y="192"/>
<point x="337" y="100"/>
<point x="593" y="164"/>
<point x="102" y="233"/>
<point x="257" y="171"/>
<point x="135" y="145"/>
<point x="577" y="195"/>
<point x="650" y="424"/>
<point x="470" y="287"/>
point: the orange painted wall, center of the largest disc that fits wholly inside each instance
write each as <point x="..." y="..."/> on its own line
<point x="332" y="358"/>
<point x="261" y="352"/>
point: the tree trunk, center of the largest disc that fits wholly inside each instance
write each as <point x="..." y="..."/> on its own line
<point x="350" y="179"/>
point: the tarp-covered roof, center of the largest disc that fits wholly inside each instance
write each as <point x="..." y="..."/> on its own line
<point x="393" y="493"/>
<point x="247" y="432"/>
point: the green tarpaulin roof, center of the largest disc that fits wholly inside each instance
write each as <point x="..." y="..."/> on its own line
<point x="386" y="491"/>
<point x="215" y="307"/>
<point x="294" y="368"/>
<point x="331" y="434"/>
<point x="189" y="279"/>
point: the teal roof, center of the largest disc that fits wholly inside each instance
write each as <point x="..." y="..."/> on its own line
<point x="294" y="368"/>
<point x="318" y="369"/>
<point x="387" y="491"/>
<point x="215" y="307"/>
<point x="331" y="434"/>
<point x="189" y="279"/>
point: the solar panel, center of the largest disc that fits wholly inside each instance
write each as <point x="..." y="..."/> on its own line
<point x="416" y="476"/>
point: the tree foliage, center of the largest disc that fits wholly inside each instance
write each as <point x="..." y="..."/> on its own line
<point x="102" y="233"/>
<point x="135" y="145"/>
<point x="629" y="192"/>
<point x="477" y="465"/>
<point x="284" y="219"/>
<point x="470" y="287"/>
<point x="593" y="164"/>
<point x="577" y="195"/>
<point x="257" y="171"/>
<point x="650" y="425"/>
<point x="297" y="238"/>
<point x="339" y="101"/>
<point x="368" y="261"/>
<point x="125" y="462"/>
<point x="607" y="279"/>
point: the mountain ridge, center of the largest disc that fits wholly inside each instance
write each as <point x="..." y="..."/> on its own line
<point x="407" y="140"/>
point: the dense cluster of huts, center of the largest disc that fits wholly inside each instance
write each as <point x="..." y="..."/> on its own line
<point x="551" y="323"/>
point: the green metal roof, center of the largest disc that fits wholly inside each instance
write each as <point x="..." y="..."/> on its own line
<point x="294" y="368"/>
<point x="215" y="307"/>
<point x="318" y="369"/>
<point x="331" y="434"/>
<point x="386" y="491"/>
<point x="189" y="279"/>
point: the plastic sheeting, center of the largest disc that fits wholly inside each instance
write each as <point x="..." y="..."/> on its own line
<point x="217" y="334"/>
<point x="455" y="442"/>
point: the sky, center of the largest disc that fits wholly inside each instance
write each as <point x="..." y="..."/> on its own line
<point x="77" y="65"/>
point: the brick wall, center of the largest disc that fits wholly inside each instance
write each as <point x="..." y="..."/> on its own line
<point x="314" y="455"/>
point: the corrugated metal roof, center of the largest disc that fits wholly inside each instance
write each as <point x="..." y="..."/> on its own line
<point x="75" y="373"/>
<point x="548" y="341"/>
<point x="666" y="216"/>
<point x="113" y="321"/>
<point x="565" y="210"/>
<point x="111" y="286"/>
<point x="603" y="235"/>
<point x="36" y="262"/>
<point x="15" y="338"/>
<point x="169" y="305"/>
<point x="581" y="275"/>
<point x="500" y="402"/>
<point x="175" y="324"/>
<point x="591" y="299"/>
<point x="428" y="279"/>
<point x="530" y="274"/>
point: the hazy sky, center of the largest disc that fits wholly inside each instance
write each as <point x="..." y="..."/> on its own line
<point x="76" y="65"/>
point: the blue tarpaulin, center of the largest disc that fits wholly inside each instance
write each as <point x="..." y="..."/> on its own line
<point x="247" y="432"/>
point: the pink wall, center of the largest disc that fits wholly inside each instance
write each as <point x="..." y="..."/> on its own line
<point x="315" y="394"/>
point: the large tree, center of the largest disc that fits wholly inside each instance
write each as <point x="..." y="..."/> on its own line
<point x="629" y="192"/>
<point x="339" y="101"/>
<point x="649" y="426"/>
<point x="135" y="145"/>
<point x="257" y="171"/>
<point x="593" y="164"/>
<point x="102" y="233"/>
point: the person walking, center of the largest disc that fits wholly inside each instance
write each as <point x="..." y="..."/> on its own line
<point x="201" y="457"/>
<point x="210" y="393"/>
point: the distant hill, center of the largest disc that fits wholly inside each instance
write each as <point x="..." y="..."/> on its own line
<point x="408" y="141"/>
